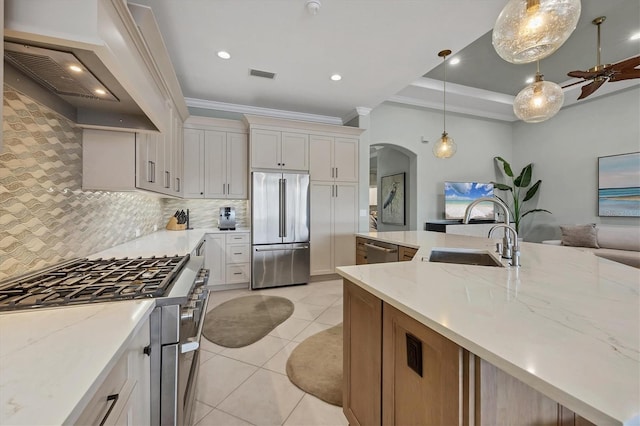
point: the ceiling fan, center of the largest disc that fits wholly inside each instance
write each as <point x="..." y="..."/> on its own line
<point x="598" y="75"/>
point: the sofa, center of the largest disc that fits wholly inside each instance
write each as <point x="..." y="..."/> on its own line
<point x="617" y="243"/>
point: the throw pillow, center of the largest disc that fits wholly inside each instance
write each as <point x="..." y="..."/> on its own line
<point x="580" y="235"/>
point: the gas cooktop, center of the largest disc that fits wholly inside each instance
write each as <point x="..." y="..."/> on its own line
<point x="81" y="281"/>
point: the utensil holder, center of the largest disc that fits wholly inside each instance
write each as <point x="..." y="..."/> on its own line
<point x="173" y="225"/>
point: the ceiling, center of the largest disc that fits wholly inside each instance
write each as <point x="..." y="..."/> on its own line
<point x="385" y="50"/>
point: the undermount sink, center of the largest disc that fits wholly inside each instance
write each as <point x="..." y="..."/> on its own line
<point x="463" y="256"/>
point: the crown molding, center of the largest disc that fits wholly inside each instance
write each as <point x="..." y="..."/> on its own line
<point x="268" y="112"/>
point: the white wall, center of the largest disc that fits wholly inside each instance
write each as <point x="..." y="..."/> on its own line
<point x="565" y="151"/>
<point x="479" y="140"/>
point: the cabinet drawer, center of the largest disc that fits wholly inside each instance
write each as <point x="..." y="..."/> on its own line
<point x="238" y="238"/>
<point x="114" y="384"/>
<point x="238" y="253"/>
<point x="239" y="273"/>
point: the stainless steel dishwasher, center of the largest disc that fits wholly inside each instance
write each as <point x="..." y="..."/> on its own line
<point x="379" y="252"/>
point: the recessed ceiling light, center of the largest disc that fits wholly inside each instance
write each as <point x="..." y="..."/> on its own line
<point x="530" y="80"/>
<point x="100" y="92"/>
<point x="224" y="55"/>
<point x="454" y="61"/>
<point x="336" y="77"/>
<point x="75" y="68"/>
<point x="635" y="36"/>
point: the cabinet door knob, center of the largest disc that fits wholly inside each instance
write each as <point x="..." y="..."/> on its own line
<point x="147" y="350"/>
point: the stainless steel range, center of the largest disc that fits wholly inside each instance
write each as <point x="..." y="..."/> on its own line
<point x="177" y="283"/>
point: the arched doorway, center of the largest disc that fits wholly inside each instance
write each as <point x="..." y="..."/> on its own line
<point x="392" y="188"/>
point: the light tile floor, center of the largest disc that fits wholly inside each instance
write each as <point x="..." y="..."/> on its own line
<point x="249" y="386"/>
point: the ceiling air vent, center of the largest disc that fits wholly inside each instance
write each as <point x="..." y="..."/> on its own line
<point x="60" y="72"/>
<point x="263" y="74"/>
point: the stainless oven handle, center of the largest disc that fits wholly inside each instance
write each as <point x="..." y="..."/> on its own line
<point x="193" y="343"/>
<point x="190" y="346"/>
<point x="384" y="249"/>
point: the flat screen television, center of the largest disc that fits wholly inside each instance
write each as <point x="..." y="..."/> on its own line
<point x="458" y="195"/>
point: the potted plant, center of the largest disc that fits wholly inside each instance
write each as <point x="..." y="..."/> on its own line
<point x="519" y="185"/>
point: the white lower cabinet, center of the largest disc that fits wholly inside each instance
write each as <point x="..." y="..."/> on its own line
<point x="214" y="258"/>
<point x="228" y="259"/>
<point x="123" y="398"/>
<point x="334" y="222"/>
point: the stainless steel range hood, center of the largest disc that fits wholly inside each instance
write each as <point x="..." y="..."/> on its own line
<point x="98" y="70"/>
<point x="61" y="72"/>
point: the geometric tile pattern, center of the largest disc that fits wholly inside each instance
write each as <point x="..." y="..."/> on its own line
<point x="205" y="213"/>
<point x="45" y="216"/>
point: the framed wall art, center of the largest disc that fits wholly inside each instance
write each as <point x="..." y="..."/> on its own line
<point x="619" y="185"/>
<point x="393" y="199"/>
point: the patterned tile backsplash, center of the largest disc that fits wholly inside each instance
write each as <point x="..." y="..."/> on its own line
<point x="204" y="213"/>
<point x="46" y="217"/>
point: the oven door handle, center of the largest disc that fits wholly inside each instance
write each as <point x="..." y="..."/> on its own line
<point x="193" y="343"/>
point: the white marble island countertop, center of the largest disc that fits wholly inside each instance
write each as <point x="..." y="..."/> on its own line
<point x="566" y="322"/>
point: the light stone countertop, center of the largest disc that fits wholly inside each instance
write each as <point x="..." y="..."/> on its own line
<point x="566" y="322"/>
<point x="53" y="359"/>
<point x="161" y="243"/>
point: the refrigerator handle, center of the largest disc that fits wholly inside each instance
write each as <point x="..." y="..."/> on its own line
<point x="284" y="208"/>
<point x="280" y="208"/>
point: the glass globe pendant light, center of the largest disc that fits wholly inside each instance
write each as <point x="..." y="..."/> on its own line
<point x="539" y="101"/>
<point x="529" y="30"/>
<point x="445" y="147"/>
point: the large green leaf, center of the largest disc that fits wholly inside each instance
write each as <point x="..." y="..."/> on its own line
<point x="506" y="166"/>
<point x="524" y="179"/>
<point x="502" y="186"/>
<point x="535" y="210"/>
<point x="532" y="191"/>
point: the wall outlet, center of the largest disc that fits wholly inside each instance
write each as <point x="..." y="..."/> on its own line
<point x="138" y="232"/>
<point x="155" y="227"/>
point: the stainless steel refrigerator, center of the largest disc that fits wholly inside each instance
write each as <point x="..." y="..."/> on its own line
<point x="280" y="229"/>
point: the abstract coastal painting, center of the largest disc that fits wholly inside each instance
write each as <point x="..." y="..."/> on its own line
<point x="393" y="199"/>
<point x="619" y="185"/>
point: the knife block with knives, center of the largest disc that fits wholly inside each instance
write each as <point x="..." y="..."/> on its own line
<point x="179" y="221"/>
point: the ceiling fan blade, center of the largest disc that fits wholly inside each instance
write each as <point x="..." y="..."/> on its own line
<point x="625" y="75"/>
<point x="588" y="89"/>
<point x="630" y="63"/>
<point x="573" y="84"/>
<point x="587" y="75"/>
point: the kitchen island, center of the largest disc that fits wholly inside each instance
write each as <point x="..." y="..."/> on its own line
<point x="52" y="360"/>
<point x="566" y="323"/>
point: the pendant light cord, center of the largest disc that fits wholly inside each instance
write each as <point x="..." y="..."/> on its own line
<point x="444" y="96"/>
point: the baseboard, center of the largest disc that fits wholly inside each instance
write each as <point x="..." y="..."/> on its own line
<point x="325" y="277"/>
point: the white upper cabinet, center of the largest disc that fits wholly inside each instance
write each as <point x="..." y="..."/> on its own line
<point x="265" y="149"/>
<point x="193" y="157"/>
<point x="272" y="149"/>
<point x="237" y="166"/>
<point x="294" y="154"/>
<point x="215" y="164"/>
<point x="108" y="160"/>
<point x="215" y="159"/>
<point x="333" y="158"/>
